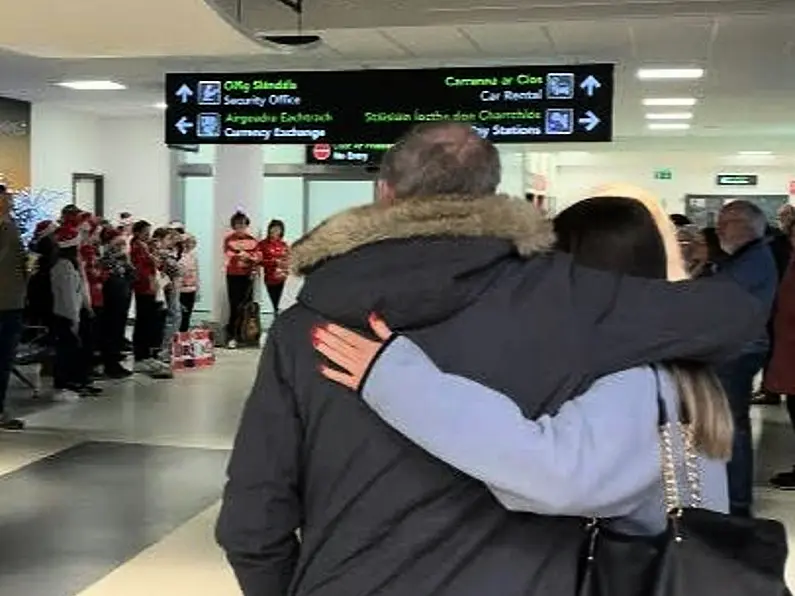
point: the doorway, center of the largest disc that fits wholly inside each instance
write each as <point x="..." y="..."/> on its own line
<point x="88" y="192"/>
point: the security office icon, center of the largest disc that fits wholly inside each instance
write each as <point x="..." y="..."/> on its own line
<point x="560" y="85"/>
<point x="209" y="93"/>
<point x="209" y="126"/>
<point x="559" y="122"/>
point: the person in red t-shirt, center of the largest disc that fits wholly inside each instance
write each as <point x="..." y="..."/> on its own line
<point x="242" y="260"/>
<point x="145" y="288"/>
<point x="275" y="254"/>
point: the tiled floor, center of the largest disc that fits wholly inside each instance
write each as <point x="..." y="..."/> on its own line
<point x="148" y="458"/>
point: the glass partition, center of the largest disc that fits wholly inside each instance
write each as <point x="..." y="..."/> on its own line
<point x="327" y="197"/>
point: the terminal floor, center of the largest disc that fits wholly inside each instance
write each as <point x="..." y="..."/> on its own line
<point x="117" y="496"/>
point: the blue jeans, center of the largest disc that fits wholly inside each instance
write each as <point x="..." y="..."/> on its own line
<point x="172" y="324"/>
<point x="10" y="332"/>
<point x="737" y="378"/>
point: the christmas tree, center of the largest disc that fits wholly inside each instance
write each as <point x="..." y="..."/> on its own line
<point x="29" y="207"/>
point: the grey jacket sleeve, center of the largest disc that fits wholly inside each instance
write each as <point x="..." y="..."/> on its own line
<point x="597" y="457"/>
<point x="261" y="508"/>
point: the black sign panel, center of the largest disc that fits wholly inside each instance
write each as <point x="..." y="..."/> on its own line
<point x="346" y="154"/>
<point x="517" y="104"/>
<point x="737" y="180"/>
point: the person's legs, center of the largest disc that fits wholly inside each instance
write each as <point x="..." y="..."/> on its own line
<point x="188" y="302"/>
<point x="10" y="332"/>
<point x="236" y="287"/>
<point x="145" y="326"/>
<point x="275" y="292"/>
<point x="786" y="480"/>
<point x="173" y="320"/>
<point x="738" y="381"/>
<point x="69" y="369"/>
<point x="113" y="323"/>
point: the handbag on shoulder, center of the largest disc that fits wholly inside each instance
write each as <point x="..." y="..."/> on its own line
<point x="701" y="552"/>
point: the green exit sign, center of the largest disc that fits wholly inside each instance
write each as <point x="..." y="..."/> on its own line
<point x="665" y="174"/>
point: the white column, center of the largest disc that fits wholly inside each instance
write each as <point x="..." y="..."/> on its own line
<point x="237" y="187"/>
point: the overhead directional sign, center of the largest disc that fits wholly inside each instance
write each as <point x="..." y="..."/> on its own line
<point x="516" y="104"/>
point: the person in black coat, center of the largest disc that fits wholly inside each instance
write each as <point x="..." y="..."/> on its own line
<point x="117" y="295"/>
<point x="470" y="276"/>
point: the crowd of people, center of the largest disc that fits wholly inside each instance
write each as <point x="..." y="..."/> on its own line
<point x="80" y="276"/>
<point x="77" y="281"/>
<point x="537" y="371"/>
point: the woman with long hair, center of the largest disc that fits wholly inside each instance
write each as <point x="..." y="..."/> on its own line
<point x="599" y="454"/>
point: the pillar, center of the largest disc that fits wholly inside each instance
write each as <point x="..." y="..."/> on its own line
<point x="238" y="186"/>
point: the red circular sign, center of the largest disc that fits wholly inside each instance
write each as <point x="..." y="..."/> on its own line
<point x="321" y="152"/>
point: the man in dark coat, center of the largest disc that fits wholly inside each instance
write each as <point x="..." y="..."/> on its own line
<point x="469" y="276"/>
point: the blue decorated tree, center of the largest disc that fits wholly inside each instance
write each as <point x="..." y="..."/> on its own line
<point x="33" y="206"/>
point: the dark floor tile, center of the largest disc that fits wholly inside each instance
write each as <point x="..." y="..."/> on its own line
<point x="67" y="520"/>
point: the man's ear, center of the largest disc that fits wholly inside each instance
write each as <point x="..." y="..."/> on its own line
<point x="386" y="193"/>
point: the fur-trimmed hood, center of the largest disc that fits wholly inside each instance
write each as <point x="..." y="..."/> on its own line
<point x="417" y="261"/>
<point x="497" y="217"/>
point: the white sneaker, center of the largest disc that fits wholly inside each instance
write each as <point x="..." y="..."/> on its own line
<point x="232" y="344"/>
<point x="66" y="395"/>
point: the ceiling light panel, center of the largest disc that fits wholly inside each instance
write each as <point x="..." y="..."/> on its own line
<point x="670" y="102"/>
<point x="670" y="74"/>
<point x="93" y="85"/>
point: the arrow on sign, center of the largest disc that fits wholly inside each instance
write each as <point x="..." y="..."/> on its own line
<point x="184" y="93"/>
<point x="590" y="85"/>
<point x="590" y="121"/>
<point x="183" y="125"/>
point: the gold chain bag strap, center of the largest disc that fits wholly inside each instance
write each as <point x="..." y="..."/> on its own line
<point x="701" y="552"/>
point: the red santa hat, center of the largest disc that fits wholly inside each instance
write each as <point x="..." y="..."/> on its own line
<point x="67" y="236"/>
<point x="44" y="228"/>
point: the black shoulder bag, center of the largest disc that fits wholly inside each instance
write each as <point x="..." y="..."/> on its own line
<point x="701" y="552"/>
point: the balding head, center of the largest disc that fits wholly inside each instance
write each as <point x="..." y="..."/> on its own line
<point x="441" y="159"/>
<point x="739" y="223"/>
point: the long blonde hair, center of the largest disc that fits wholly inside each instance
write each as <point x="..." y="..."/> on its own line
<point x="703" y="401"/>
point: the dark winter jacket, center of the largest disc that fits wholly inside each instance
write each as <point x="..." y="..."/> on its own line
<point x="473" y="284"/>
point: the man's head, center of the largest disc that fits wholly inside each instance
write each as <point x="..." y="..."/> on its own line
<point x="739" y="223"/>
<point x="786" y="218"/>
<point x="442" y="159"/>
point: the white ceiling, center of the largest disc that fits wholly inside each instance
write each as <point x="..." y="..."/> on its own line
<point x="747" y="48"/>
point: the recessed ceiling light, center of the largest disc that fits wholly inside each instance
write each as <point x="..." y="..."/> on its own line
<point x="669" y="126"/>
<point x="669" y="116"/>
<point x="757" y="153"/>
<point x="93" y="85"/>
<point x="662" y="74"/>
<point x="670" y="102"/>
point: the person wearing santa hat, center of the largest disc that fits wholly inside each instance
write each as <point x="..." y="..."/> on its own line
<point x="70" y="302"/>
<point x="95" y="279"/>
<point x="43" y="229"/>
